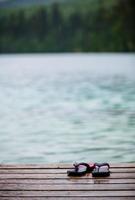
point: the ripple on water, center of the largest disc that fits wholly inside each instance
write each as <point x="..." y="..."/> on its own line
<point x="63" y="114"/>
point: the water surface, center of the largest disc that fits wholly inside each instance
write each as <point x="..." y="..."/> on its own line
<point x="67" y="107"/>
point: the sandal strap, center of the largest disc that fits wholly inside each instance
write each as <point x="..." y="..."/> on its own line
<point x="102" y="164"/>
<point x="76" y="165"/>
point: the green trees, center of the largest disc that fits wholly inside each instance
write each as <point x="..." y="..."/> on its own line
<point x="38" y="23"/>
<point x="125" y="10"/>
<point x="55" y="29"/>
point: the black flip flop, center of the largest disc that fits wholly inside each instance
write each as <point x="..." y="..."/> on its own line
<point x="80" y="169"/>
<point x="101" y="170"/>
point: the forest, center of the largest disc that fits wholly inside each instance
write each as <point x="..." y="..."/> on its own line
<point x="78" y="27"/>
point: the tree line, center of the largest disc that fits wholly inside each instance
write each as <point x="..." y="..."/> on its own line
<point x="51" y="30"/>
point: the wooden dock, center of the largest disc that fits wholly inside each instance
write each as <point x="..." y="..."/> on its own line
<point x="38" y="182"/>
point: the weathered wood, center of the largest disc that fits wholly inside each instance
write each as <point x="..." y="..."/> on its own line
<point x="67" y="181"/>
<point x="56" y="171"/>
<point x="55" y="187"/>
<point x="68" y="198"/>
<point x="38" y="182"/>
<point x="67" y="193"/>
<point x="63" y="176"/>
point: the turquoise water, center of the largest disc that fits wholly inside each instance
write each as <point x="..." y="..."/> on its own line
<point x="67" y="107"/>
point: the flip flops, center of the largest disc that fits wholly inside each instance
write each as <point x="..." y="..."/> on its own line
<point x="81" y="169"/>
<point x="101" y="170"/>
<point x="97" y="169"/>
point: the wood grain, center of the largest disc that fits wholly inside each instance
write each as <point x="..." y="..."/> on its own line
<point x="62" y="187"/>
<point x="67" y="193"/>
<point x="62" y="176"/>
<point x="68" y="181"/>
<point x="38" y="182"/>
<point x="56" y="171"/>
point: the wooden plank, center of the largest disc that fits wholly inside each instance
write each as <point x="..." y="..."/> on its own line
<point x="67" y="181"/>
<point x="56" y="171"/>
<point x="57" y="166"/>
<point x="55" y="187"/>
<point x="68" y="198"/>
<point x="38" y="182"/>
<point x="63" y="176"/>
<point x="67" y="194"/>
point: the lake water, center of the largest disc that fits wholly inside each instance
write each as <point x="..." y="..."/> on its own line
<point x="67" y="107"/>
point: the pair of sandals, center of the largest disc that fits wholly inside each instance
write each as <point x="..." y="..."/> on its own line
<point x="97" y="169"/>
